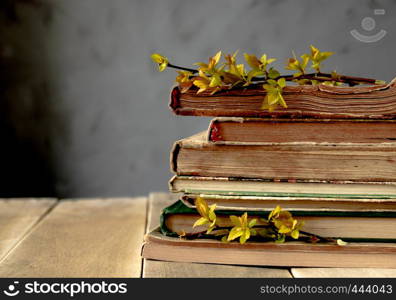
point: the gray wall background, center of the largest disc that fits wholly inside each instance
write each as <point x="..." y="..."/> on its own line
<point x="83" y="111"/>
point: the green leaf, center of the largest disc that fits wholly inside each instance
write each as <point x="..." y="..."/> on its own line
<point x="235" y="220"/>
<point x="201" y="221"/>
<point x="252" y="60"/>
<point x="281" y="238"/>
<point x="224" y="239"/>
<point x="253" y="73"/>
<point x="245" y="236"/>
<point x="202" y="207"/>
<point x="272" y="99"/>
<point x="215" y="81"/>
<point x="234" y="233"/>
<point x="212" y="214"/>
<point x="216" y="57"/>
<point x="210" y="229"/>
<point x="282" y="100"/>
<point x="243" y="219"/>
<point x="252" y="222"/>
<point x="380" y="82"/>
<point x="295" y="234"/>
<point x="304" y="62"/>
<point x="272" y="73"/>
<point x="275" y="212"/>
<point x="284" y="229"/>
<point x="281" y="82"/>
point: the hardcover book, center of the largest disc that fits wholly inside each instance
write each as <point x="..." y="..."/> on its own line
<point x="320" y="101"/>
<point x="234" y="186"/>
<point x="375" y="162"/>
<point x="310" y="131"/>
<point x="298" y="254"/>
<point x="292" y="203"/>
<point x="178" y="220"/>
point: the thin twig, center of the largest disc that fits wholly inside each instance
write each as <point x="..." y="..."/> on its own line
<point x="182" y="68"/>
<point x="351" y="80"/>
<point x="308" y="234"/>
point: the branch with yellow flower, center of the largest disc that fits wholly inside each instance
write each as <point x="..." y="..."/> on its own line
<point x="215" y="76"/>
<point x="279" y="226"/>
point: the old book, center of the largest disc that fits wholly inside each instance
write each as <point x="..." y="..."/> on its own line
<point x="375" y="162"/>
<point x="321" y="101"/>
<point x="178" y="219"/>
<point x="253" y="203"/>
<point x="233" y="186"/>
<point x="297" y="254"/>
<point x="312" y="131"/>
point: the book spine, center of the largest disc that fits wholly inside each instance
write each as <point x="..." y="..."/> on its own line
<point x="174" y="101"/>
<point x="173" y="156"/>
<point x="214" y="132"/>
<point x="171" y="185"/>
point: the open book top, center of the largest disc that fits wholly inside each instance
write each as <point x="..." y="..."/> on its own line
<point x="320" y="101"/>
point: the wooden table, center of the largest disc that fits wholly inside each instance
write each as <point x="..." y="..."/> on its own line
<point x="103" y="237"/>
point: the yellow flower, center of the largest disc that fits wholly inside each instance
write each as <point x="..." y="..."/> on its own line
<point x="317" y="57"/>
<point x="230" y="59"/>
<point x="274" y="95"/>
<point x="253" y="61"/>
<point x="184" y="80"/>
<point x="235" y="73"/>
<point x="274" y="213"/>
<point x="214" y="80"/>
<point x="242" y="228"/>
<point x="259" y="66"/>
<point x="210" y="67"/>
<point x="285" y="223"/>
<point x="264" y="61"/>
<point x="162" y="61"/>
<point x="184" y="76"/>
<point x="298" y="65"/>
<point x="204" y="82"/>
<point x="208" y="216"/>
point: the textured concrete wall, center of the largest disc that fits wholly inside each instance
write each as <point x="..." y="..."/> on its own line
<point x="83" y="110"/>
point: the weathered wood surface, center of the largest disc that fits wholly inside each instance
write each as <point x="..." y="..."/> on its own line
<point x="83" y="238"/>
<point x="17" y="218"/>
<point x="152" y="268"/>
<point x="102" y="238"/>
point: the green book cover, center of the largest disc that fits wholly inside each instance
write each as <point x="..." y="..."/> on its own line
<point x="179" y="207"/>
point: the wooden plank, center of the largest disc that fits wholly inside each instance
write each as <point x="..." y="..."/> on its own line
<point x="17" y="217"/>
<point x="83" y="238"/>
<point x="343" y="272"/>
<point x="162" y="269"/>
<point x="156" y="202"/>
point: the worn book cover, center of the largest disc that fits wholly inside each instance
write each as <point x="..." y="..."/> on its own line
<point x="258" y="187"/>
<point x="178" y="219"/>
<point x="310" y="131"/>
<point x="319" y="101"/>
<point x="375" y="162"/>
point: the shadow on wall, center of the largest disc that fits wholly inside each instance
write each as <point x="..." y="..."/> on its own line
<point x="25" y="115"/>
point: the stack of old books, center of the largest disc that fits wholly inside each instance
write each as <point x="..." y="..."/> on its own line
<point x="329" y="159"/>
